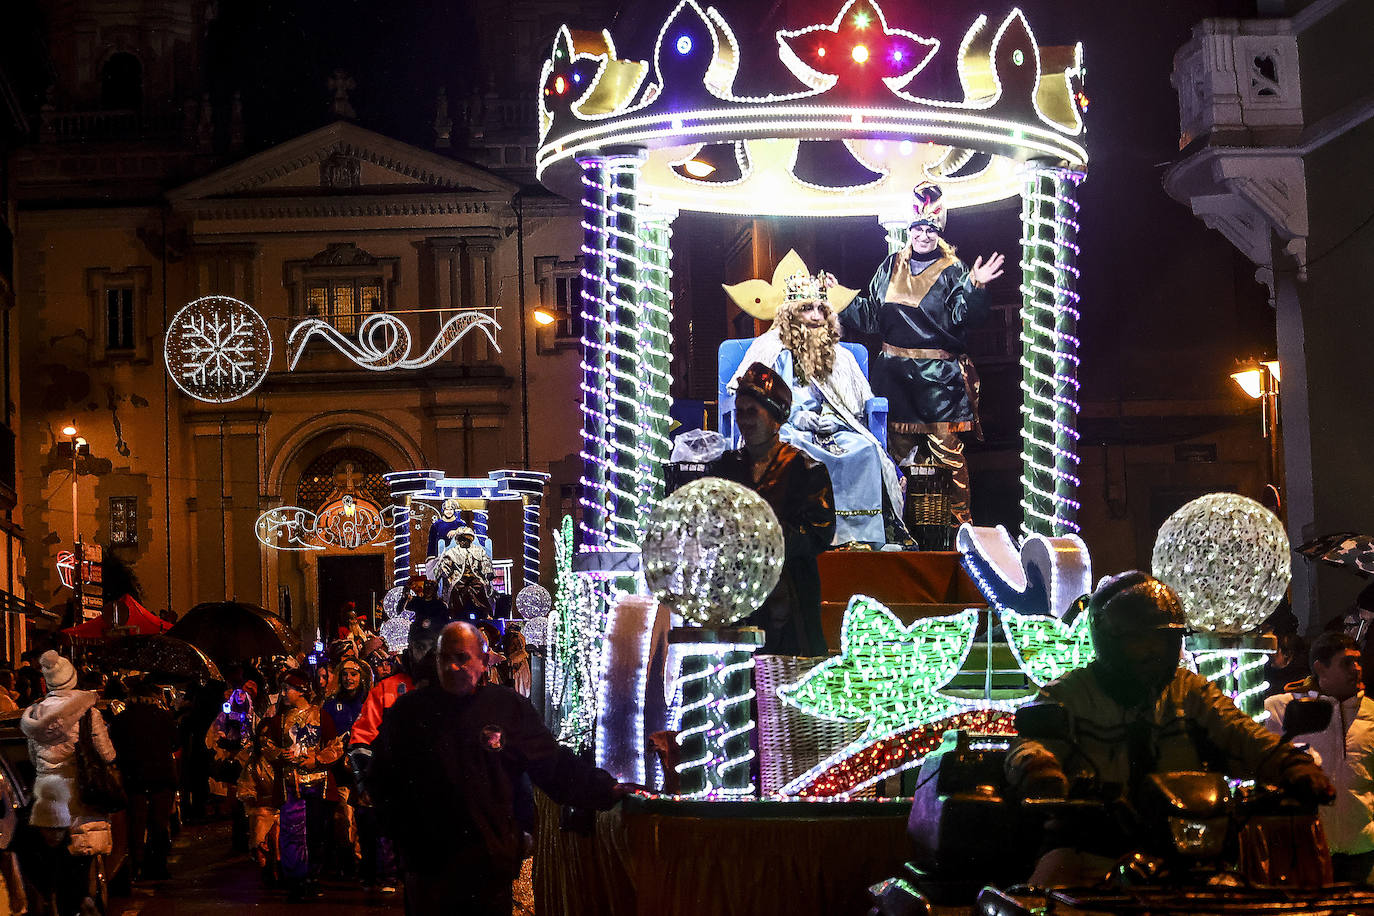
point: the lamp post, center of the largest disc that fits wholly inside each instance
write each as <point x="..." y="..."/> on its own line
<point x="77" y="570"/>
<point x="1259" y="379"/>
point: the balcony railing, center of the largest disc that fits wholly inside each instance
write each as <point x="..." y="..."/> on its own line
<point x="117" y="124"/>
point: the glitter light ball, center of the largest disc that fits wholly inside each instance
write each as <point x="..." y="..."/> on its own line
<point x="533" y="601"/>
<point x="536" y="631"/>
<point x="392" y="600"/>
<point x="713" y="551"/>
<point x="217" y="349"/>
<point x="396" y="631"/>
<point x="1228" y="558"/>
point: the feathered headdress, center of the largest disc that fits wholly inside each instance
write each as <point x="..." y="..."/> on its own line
<point x="928" y="206"/>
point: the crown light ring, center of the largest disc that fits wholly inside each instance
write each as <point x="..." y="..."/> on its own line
<point x="859" y="80"/>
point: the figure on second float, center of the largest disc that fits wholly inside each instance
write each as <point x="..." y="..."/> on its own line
<point x="922" y="301"/>
<point x="469" y="573"/>
<point x="829" y="396"/>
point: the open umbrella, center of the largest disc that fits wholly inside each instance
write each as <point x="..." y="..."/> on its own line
<point x="161" y="655"/>
<point x="231" y="631"/>
<point x="1344" y="549"/>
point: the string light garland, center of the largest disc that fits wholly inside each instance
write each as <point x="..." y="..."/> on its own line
<point x="901" y="751"/>
<point x="1049" y="352"/>
<point x="383" y="340"/>
<point x="217" y="349"/>
<point x="575" y="633"/>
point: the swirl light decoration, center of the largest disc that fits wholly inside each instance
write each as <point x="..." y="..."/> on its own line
<point x="383" y="340"/>
<point x="217" y="349"/>
<point x="347" y="523"/>
<point x="1049" y="353"/>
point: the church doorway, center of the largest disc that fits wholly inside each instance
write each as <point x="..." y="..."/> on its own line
<point x="356" y="578"/>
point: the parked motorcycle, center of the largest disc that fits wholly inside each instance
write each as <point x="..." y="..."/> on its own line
<point x="1201" y="844"/>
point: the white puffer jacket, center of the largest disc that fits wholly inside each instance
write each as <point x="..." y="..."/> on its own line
<point x="1346" y="749"/>
<point x="52" y="726"/>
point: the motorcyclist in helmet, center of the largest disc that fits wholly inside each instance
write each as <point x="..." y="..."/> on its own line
<point x="1132" y="712"/>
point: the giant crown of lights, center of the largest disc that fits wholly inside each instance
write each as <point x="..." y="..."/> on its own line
<point x="862" y="83"/>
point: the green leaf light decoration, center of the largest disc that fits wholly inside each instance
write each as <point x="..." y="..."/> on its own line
<point x="886" y="673"/>
<point x="1046" y="647"/>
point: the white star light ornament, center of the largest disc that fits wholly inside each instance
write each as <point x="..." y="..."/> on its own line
<point x="217" y="349"/>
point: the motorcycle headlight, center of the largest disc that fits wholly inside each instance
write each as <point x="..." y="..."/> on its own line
<point x="1202" y="839"/>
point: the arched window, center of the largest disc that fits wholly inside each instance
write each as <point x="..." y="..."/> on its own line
<point x="343" y="472"/>
<point x="121" y="82"/>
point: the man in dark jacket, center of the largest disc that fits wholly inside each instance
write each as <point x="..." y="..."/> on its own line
<point x="444" y="773"/>
<point x="922" y="300"/>
<point x="799" y="492"/>
<point x="144" y="736"/>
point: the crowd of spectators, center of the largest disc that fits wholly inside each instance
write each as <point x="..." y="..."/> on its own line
<point x="264" y="748"/>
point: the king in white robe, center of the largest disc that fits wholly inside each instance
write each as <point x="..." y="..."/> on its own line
<point x="827" y="423"/>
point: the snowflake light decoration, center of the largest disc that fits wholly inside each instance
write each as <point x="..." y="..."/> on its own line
<point x="217" y="349"/>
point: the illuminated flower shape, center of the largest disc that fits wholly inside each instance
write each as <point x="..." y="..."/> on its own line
<point x="886" y="673"/>
<point x="1228" y="558"/>
<point x="855" y="50"/>
<point x="217" y="349"/>
<point x="713" y="551"/>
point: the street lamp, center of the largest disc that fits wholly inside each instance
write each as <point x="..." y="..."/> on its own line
<point x="1259" y="379"/>
<point x="545" y="317"/>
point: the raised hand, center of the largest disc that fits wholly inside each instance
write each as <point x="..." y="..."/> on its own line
<point x="983" y="274"/>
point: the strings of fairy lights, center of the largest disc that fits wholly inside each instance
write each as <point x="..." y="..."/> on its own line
<point x="655" y="352"/>
<point x="1049" y="357"/>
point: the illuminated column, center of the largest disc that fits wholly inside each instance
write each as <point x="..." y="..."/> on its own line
<point x="530" y="486"/>
<point x="595" y="295"/>
<point x="1049" y="352"/>
<point x="623" y="357"/>
<point x="715" y="691"/>
<point x="655" y="352"/>
<point x="896" y="231"/>
<point x="1236" y="665"/>
<point x="403" y="485"/>
<point x="479" y="523"/>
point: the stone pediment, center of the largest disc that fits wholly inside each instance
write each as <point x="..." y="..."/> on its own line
<point x="342" y="159"/>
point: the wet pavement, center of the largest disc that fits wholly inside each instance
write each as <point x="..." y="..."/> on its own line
<point x="207" y="877"/>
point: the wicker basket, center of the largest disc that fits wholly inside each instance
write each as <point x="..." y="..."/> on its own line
<point x="790" y="741"/>
<point x="928" y="499"/>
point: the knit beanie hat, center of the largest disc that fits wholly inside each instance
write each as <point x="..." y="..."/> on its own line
<point x="58" y="672"/>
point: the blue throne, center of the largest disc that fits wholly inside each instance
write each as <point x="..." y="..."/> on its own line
<point x="731" y="354"/>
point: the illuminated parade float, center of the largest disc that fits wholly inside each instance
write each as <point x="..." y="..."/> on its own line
<point x="639" y="141"/>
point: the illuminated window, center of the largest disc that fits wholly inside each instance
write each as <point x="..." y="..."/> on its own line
<point x="343" y="285"/>
<point x="344" y="302"/>
<point x="123" y="520"/>
<point x="560" y="292"/>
